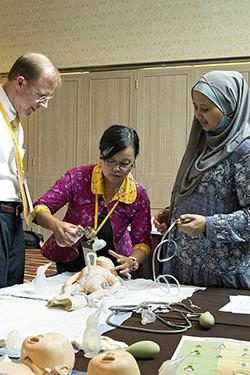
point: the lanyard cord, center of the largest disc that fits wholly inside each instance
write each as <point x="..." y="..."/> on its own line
<point x="19" y="160"/>
<point x="97" y="229"/>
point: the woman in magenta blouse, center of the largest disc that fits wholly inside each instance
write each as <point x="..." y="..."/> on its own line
<point x="105" y="197"/>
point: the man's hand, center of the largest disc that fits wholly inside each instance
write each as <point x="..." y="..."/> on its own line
<point x="192" y="225"/>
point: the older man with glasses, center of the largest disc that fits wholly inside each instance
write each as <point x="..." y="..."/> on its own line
<point x="30" y="84"/>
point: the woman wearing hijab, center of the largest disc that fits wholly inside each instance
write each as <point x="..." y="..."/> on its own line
<point x="211" y="194"/>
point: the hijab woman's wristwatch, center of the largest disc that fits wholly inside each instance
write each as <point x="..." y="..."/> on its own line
<point x="135" y="264"/>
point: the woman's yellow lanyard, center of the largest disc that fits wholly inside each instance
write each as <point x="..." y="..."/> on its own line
<point x="97" y="229"/>
<point x="19" y="163"/>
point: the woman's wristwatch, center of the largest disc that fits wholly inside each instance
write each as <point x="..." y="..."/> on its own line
<point x="135" y="264"/>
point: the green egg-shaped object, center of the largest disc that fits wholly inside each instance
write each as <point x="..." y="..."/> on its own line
<point x="144" y="349"/>
<point x="206" y="320"/>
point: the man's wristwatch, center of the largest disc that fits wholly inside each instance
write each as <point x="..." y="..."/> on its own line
<point x="135" y="265"/>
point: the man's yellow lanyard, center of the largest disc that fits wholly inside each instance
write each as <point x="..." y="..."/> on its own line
<point x="97" y="229"/>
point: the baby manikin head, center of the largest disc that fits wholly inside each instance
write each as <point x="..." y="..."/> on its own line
<point x="113" y="362"/>
<point x="48" y="351"/>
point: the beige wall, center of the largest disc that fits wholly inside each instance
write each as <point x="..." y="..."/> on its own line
<point x="105" y="32"/>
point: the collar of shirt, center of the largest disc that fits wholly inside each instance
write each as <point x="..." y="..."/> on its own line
<point x="9" y="109"/>
<point x="127" y="192"/>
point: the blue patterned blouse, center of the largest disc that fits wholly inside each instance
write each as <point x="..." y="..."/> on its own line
<point x="220" y="257"/>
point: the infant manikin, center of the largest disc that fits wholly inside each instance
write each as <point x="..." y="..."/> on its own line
<point x="98" y="280"/>
<point x="50" y="353"/>
<point x="115" y="362"/>
<point x="10" y="368"/>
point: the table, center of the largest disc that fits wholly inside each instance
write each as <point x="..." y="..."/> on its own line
<point x="228" y="325"/>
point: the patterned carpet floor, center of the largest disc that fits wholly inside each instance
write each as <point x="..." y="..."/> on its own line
<point x="34" y="259"/>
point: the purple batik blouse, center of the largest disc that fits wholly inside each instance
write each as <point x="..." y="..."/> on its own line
<point x="77" y="188"/>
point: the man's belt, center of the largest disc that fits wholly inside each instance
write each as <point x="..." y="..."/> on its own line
<point x="13" y="208"/>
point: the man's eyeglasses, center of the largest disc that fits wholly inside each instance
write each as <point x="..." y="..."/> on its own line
<point x="40" y="98"/>
<point x="43" y="98"/>
<point x="123" y="165"/>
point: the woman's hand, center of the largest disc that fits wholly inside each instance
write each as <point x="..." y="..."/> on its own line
<point x="125" y="264"/>
<point x="192" y="225"/>
<point x="161" y="219"/>
<point x="62" y="231"/>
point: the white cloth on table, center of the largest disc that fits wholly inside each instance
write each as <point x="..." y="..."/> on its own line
<point x="29" y="314"/>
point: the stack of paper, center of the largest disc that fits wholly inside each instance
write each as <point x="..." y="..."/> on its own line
<point x="238" y="305"/>
<point x="212" y="356"/>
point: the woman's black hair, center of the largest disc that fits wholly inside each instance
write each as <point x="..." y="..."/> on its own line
<point x="116" y="138"/>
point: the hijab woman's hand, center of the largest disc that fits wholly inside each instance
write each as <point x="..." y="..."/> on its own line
<point x="161" y="219"/>
<point x="193" y="225"/>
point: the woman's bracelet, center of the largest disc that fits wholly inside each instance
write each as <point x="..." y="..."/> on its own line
<point x="135" y="264"/>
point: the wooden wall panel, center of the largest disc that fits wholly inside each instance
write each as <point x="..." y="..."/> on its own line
<point x="55" y="135"/>
<point x="111" y="101"/>
<point x="53" y="138"/>
<point x="162" y="121"/>
<point x="244" y="69"/>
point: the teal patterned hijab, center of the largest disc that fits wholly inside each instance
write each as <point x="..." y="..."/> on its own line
<point x="207" y="149"/>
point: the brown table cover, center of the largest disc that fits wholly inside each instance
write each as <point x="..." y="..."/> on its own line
<point x="228" y="325"/>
